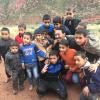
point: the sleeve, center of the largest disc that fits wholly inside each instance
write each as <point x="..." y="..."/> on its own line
<point x="93" y="88"/>
<point x="95" y="46"/>
<point x="7" y="64"/>
<point x="21" y="55"/>
<point x="39" y="52"/>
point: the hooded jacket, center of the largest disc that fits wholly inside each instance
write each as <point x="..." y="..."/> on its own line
<point x="92" y="79"/>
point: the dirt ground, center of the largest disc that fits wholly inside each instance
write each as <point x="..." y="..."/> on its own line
<point x="6" y="91"/>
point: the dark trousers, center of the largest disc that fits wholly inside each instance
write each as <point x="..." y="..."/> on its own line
<point x="17" y="79"/>
<point x="58" y="86"/>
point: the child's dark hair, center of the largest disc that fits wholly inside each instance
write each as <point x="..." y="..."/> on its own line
<point x="46" y="17"/>
<point x="84" y="32"/>
<point x="22" y="25"/>
<point x="5" y="29"/>
<point x="64" y="42"/>
<point x="53" y="52"/>
<point x="57" y="19"/>
<point x="71" y="10"/>
<point x="37" y="31"/>
<point x="81" y="53"/>
<point x="29" y="34"/>
<point x="14" y="43"/>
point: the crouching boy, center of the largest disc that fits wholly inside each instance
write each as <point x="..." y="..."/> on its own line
<point x="92" y="88"/>
<point x="49" y="78"/>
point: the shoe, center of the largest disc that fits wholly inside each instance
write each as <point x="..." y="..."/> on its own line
<point x="30" y="87"/>
<point x="15" y="92"/>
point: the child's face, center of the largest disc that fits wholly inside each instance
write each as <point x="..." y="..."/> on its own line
<point x="46" y="22"/>
<point x="57" y="25"/>
<point x="26" y="39"/>
<point x="59" y="35"/>
<point x="4" y="34"/>
<point x="21" y="30"/>
<point x="69" y="14"/>
<point x="38" y="36"/>
<point x="62" y="48"/>
<point x="53" y="59"/>
<point x="79" y="61"/>
<point x="14" y="49"/>
<point x="80" y="39"/>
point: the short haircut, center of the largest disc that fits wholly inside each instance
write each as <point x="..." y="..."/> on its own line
<point x="46" y="17"/>
<point x="84" y="32"/>
<point x="5" y="29"/>
<point x="57" y="19"/>
<point x="22" y="25"/>
<point x="81" y="53"/>
<point x="37" y="31"/>
<point x="64" y="42"/>
<point x="54" y="53"/>
<point x="14" y="43"/>
<point x="29" y="34"/>
<point x="71" y="10"/>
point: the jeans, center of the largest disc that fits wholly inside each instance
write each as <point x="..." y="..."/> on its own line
<point x="32" y="73"/>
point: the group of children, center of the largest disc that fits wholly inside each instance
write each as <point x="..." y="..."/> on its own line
<point x="56" y="55"/>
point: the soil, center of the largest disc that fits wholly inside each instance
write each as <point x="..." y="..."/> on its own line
<point x="6" y="91"/>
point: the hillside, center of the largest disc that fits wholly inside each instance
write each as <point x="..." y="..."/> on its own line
<point x="31" y="11"/>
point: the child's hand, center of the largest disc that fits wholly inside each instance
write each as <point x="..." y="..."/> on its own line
<point x="23" y="66"/>
<point x="44" y="70"/>
<point x="66" y="67"/>
<point x="86" y="91"/>
<point x="81" y="75"/>
<point x="93" y="67"/>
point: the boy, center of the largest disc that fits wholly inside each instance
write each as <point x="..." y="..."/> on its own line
<point x="57" y="21"/>
<point x="70" y="21"/>
<point x="91" y="46"/>
<point x="29" y="58"/>
<point x="47" y="26"/>
<point x="50" y="77"/>
<point x="67" y="55"/>
<point x="5" y="41"/>
<point x="22" y="29"/>
<point x="92" y="88"/>
<point x="13" y="66"/>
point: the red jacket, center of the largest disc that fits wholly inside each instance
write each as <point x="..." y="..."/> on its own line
<point x="68" y="58"/>
<point x="19" y="39"/>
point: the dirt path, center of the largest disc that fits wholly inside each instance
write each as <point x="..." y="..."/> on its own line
<point x="6" y="91"/>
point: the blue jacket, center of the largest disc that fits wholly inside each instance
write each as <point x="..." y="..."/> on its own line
<point x="50" y="29"/>
<point x="92" y="79"/>
<point x="55" y="68"/>
<point x="29" y="54"/>
<point x="53" y="71"/>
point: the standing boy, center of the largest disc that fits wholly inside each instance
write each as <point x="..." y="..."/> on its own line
<point x="70" y="21"/>
<point x="5" y="41"/>
<point x="29" y="58"/>
<point x="13" y="66"/>
<point x="21" y="29"/>
<point x="47" y="25"/>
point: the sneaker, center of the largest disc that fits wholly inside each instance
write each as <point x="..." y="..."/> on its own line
<point x="15" y="92"/>
<point x="30" y="87"/>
